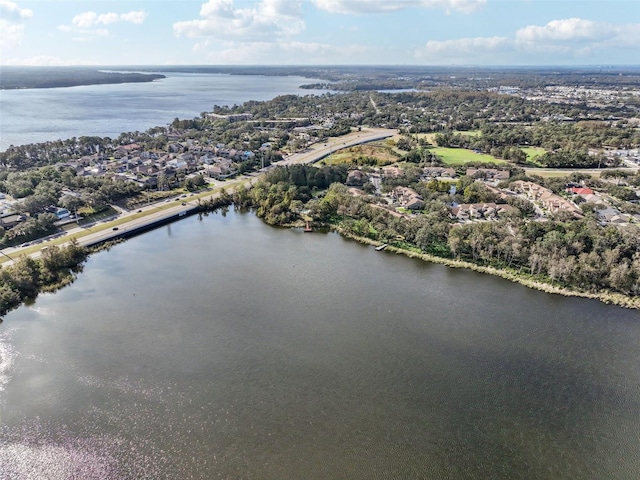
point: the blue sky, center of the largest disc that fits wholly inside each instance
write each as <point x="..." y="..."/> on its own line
<point x="313" y="32"/>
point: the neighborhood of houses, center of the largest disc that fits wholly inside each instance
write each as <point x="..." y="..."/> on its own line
<point x="131" y="162"/>
<point x="405" y="200"/>
<point x="217" y="162"/>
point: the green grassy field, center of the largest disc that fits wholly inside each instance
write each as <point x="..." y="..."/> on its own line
<point x="336" y="159"/>
<point x="459" y="156"/>
<point x="533" y="152"/>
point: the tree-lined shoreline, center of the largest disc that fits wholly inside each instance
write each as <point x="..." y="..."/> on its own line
<point x="562" y="255"/>
<point x="14" y="78"/>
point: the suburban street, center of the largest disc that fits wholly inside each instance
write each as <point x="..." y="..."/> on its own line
<point x="183" y="204"/>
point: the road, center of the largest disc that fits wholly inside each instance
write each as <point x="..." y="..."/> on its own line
<point x="320" y="150"/>
<point x="568" y="171"/>
<point x="155" y="213"/>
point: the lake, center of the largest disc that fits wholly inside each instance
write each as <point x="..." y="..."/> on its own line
<point x="220" y="347"/>
<point x="47" y="114"/>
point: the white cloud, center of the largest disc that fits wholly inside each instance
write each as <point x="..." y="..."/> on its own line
<point x="11" y="23"/>
<point x="85" y="20"/>
<point x="381" y="6"/>
<point x="217" y="8"/>
<point x="284" y="53"/>
<point x="47" y="61"/>
<point x="10" y="34"/>
<point x="85" y="25"/>
<point x="11" y="12"/>
<point x="566" y="39"/>
<point x="571" y="29"/>
<point x="578" y="32"/>
<point x="265" y="20"/>
<point x="90" y="19"/>
<point x="463" y="47"/>
<point x="136" y="17"/>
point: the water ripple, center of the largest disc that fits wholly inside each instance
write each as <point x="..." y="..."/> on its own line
<point x="7" y="357"/>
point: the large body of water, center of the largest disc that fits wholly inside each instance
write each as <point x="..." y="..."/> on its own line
<point x="219" y="347"/>
<point x="38" y="115"/>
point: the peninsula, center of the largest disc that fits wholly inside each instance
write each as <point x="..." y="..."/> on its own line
<point x="53" y="77"/>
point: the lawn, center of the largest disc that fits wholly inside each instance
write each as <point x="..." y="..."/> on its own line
<point x="460" y="156"/>
<point x="90" y="216"/>
<point x="533" y="153"/>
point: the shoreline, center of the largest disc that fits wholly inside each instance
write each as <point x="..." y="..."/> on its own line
<point x="609" y="298"/>
<point x="16" y="78"/>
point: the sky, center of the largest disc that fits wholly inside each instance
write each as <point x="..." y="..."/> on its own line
<point x="320" y="32"/>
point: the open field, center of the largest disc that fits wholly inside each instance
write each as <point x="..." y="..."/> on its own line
<point x="459" y="156"/>
<point x="380" y="150"/>
<point x="385" y="152"/>
<point x="431" y="136"/>
<point x="533" y="152"/>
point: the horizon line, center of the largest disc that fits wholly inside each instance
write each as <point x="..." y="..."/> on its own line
<point x="594" y="65"/>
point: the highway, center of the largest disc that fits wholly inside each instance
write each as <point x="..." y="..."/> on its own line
<point x="182" y="205"/>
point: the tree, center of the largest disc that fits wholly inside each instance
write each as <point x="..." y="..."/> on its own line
<point x="405" y="144"/>
<point x="71" y="202"/>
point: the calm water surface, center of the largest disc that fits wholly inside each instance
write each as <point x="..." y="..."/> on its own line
<point x="223" y="348"/>
<point x="44" y="114"/>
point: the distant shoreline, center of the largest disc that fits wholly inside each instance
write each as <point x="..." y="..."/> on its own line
<point x="23" y="78"/>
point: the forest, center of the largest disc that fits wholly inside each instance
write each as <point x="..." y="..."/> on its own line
<point x="27" y="277"/>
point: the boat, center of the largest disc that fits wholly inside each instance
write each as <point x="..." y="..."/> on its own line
<point x="379" y="248"/>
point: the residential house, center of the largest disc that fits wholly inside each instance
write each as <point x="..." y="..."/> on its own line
<point x="407" y="198"/>
<point x="582" y="191"/>
<point x="11" y="219"/>
<point x="392" y="171"/>
<point x="545" y="197"/>
<point x="438" y="172"/>
<point x="148" y="170"/>
<point x="490" y="174"/>
<point x="218" y="171"/>
<point x="356" y="178"/>
<point x="612" y="215"/>
<point x="500" y="193"/>
<point x="479" y="211"/>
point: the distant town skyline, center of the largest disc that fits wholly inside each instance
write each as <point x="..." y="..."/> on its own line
<point x="320" y="32"/>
